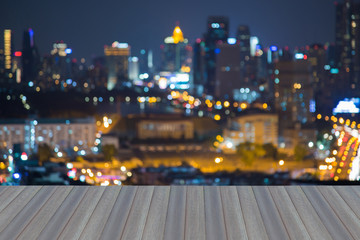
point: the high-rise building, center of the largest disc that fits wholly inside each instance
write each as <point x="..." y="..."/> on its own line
<point x="217" y="32"/>
<point x="243" y="36"/>
<point x="176" y="53"/>
<point x="294" y="92"/>
<point x="7" y="49"/>
<point x="228" y="75"/>
<point x="199" y="67"/>
<point x="133" y="68"/>
<point x="117" y="59"/>
<point x="348" y="46"/>
<point x="30" y="57"/>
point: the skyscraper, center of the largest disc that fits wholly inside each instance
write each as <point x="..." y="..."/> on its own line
<point x="30" y="57"/>
<point x="117" y="60"/>
<point x="176" y="53"/>
<point x="348" y="46"/>
<point x="243" y="36"/>
<point x="217" y="32"/>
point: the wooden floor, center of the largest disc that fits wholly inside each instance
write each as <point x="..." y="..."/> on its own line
<point x="176" y="212"/>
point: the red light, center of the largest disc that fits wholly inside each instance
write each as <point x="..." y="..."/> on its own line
<point x="198" y="40"/>
<point x="18" y="54"/>
<point x="305" y="57"/>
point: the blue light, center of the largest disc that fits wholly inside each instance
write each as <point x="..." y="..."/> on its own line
<point x="334" y="71"/>
<point x="217" y="50"/>
<point x="273" y="48"/>
<point x="31" y="84"/>
<point x="68" y="51"/>
<point x="69" y="81"/>
<point x="74" y="84"/>
<point x="100" y="99"/>
<point x="16" y="176"/>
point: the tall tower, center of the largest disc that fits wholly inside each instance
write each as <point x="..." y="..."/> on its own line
<point x="217" y="32"/>
<point x="243" y="36"/>
<point x="7" y="49"/>
<point x="117" y="60"/>
<point x="176" y="53"/>
<point x="30" y="57"/>
<point x="348" y="46"/>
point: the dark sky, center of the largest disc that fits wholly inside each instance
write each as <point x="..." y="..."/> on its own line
<point x="87" y="25"/>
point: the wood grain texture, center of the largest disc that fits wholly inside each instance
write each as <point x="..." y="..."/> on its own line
<point x="214" y="216"/>
<point x="155" y="222"/>
<point x="101" y="213"/>
<point x="342" y="210"/>
<point x="234" y="222"/>
<point x="117" y="219"/>
<point x="195" y="213"/>
<point x="136" y="220"/>
<point x="333" y="224"/>
<point x="272" y="220"/>
<point x="307" y="213"/>
<point x="37" y="224"/>
<point x="180" y="212"/>
<point x="291" y="219"/>
<point x="175" y="218"/>
<point x="254" y="223"/>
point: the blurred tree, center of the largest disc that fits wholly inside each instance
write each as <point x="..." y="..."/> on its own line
<point x="300" y="152"/>
<point x="270" y="151"/>
<point x="45" y="153"/>
<point x="109" y="151"/>
<point x="248" y="152"/>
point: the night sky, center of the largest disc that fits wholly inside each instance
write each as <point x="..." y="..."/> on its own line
<point x="87" y="25"/>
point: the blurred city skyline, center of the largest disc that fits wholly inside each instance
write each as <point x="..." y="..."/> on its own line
<point x="89" y="25"/>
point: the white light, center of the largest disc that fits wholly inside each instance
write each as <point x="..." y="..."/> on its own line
<point x="310" y="144"/>
<point x="123" y="168"/>
<point x="59" y="154"/>
<point x="215" y="25"/>
<point x="69" y="165"/>
<point x="321" y="147"/>
<point x="229" y="144"/>
<point x="82" y="178"/>
<point x="299" y="56"/>
<point x="231" y="41"/>
<point x="346" y="107"/>
<point x="82" y="152"/>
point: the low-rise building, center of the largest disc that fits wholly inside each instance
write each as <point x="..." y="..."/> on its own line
<point x="57" y="133"/>
<point x="259" y="128"/>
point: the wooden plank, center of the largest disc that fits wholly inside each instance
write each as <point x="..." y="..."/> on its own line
<point x="82" y="213"/>
<point x="136" y="220"/>
<point x="272" y="220"/>
<point x="254" y="224"/>
<point x="63" y="213"/>
<point x="307" y="213"/>
<point x="100" y="215"/>
<point x="8" y="195"/>
<point x="291" y="219"/>
<point x="214" y="217"/>
<point x="326" y="214"/>
<point x="195" y="213"/>
<point x="234" y="222"/>
<point x="37" y="224"/>
<point x="15" y="227"/>
<point x="155" y="222"/>
<point x="175" y="218"/>
<point x="15" y="207"/>
<point x="117" y="219"/>
<point x="350" y="197"/>
<point x="342" y="210"/>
